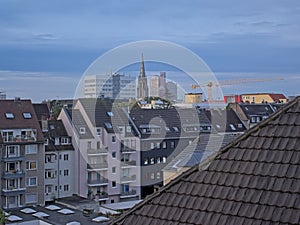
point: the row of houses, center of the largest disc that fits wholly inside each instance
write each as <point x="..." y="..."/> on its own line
<point x="98" y="151"/>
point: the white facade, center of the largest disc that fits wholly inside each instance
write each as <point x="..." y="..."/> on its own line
<point x="111" y="86"/>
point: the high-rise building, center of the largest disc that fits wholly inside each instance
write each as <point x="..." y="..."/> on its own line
<point x="142" y="88"/>
<point x="171" y="91"/>
<point x="158" y="85"/>
<point x="116" y="86"/>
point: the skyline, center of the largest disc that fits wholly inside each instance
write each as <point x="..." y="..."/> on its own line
<point x="59" y="40"/>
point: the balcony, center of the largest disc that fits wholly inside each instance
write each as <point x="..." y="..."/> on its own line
<point x="13" y="191"/>
<point x="97" y="166"/>
<point x="126" y="149"/>
<point x="102" y="196"/>
<point x="127" y="163"/>
<point x="101" y="151"/>
<point x="13" y="174"/>
<point x="128" y="179"/>
<point x="128" y="194"/>
<point x="14" y="158"/>
<point x="95" y="183"/>
<point x="20" y="138"/>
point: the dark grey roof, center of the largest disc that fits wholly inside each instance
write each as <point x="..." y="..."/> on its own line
<point x="262" y="109"/>
<point x="79" y="122"/>
<point x="201" y="148"/>
<point x="225" y="121"/>
<point x="41" y="111"/>
<point x="253" y="180"/>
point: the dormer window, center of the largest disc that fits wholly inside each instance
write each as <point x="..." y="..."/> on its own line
<point x="108" y="125"/>
<point x="27" y="115"/>
<point x="9" y="115"/>
<point x="82" y="130"/>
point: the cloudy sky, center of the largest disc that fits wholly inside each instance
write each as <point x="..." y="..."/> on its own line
<point x="61" y="39"/>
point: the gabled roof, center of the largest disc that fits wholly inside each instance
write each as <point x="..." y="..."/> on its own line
<point x="17" y="108"/>
<point x="253" y="180"/>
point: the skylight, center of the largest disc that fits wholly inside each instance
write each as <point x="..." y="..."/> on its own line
<point x="175" y="129"/>
<point x="232" y="127"/>
<point x="108" y="125"/>
<point x="110" y="114"/>
<point x="27" y="115"/>
<point x="9" y="115"/>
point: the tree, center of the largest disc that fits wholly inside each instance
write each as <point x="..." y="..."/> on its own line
<point x="3" y="217"/>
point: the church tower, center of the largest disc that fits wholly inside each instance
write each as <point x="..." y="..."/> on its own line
<point x="142" y="87"/>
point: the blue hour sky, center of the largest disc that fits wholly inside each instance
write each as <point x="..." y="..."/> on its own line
<point x="62" y="38"/>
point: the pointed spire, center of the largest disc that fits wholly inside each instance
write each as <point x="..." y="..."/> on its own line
<point x="142" y="68"/>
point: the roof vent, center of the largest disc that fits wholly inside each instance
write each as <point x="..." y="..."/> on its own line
<point x="17" y="99"/>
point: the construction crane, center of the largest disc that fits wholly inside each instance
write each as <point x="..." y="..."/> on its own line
<point x="209" y="85"/>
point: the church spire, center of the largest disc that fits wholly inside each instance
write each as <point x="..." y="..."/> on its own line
<point x="142" y="88"/>
<point x="142" y="68"/>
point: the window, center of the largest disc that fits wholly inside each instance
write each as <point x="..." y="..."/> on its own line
<point x="164" y="159"/>
<point x="57" y="141"/>
<point x="49" y="174"/>
<point x="113" y="184"/>
<point x="152" y="160"/>
<point x="64" y="140"/>
<point x="66" y="172"/>
<point x="82" y="130"/>
<point x="31" y="149"/>
<point x="157" y="144"/>
<point x="172" y="144"/>
<point x="158" y="159"/>
<point x="12" y="151"/>
<point x="240" y="125"/>
<point x="113" y="169"/>
<point x="176" y="129"/>
<point x="128" y="129"/>
<point x="31" y="165"/>
<point x="98" y="145"/>
<point x="158" y="176"/>
<point x="9" y="115"/>
<point x="110" y="114"/>
<point x="66" y="156"/>
<point x="152" y="145"/>
<point x="89" y="144"/>
<point x="114" y="154"/>
<point x="146" y="161"/>
<point x="27" y="115"/>
<point x="164" y="144"/>
<point x="31" y="181"/>
<point x="113" y="139"/>
<point x="31" y="198"/>
<point x="98" y="131"/>
<point x="108" y="125"/>
<point x="46" y="141"/>
<point x="66" y="187"/>
<point x="152" y="176"/>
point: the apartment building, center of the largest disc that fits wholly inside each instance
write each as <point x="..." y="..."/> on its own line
<point x="22" y="155"/>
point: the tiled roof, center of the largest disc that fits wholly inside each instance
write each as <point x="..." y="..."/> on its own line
<point x="253" y="180"/>
<point x="42" y="111"/>
<point x="17" y="108"/>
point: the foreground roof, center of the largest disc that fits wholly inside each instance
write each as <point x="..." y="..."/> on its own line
<point x="253" y="180"/>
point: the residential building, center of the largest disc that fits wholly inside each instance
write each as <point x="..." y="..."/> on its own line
<point x="264" y="98"/>
<point x="226" y="126"/>
<point x="22" y="158"/>
<point x="142" y="88"/>
<point x="59" y="155"/>
<point x="232" y="99"/>
<point x="2" y="95"/>
<point x="253" y="180"/>
<point x="251" y="114"/>
<point x="115" y="86"/>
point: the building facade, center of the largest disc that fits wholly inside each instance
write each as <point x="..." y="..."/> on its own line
<point x="115" y="86"/>
<point x="22" y="158"/>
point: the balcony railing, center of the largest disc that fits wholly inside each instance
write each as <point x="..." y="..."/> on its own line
<point x="128" y="194"/>
<point x="126" y="149"/>
<point x="13" y="191"/>
<point x="13" y="158"/>
<point x="13" y="174"/>
<point x="126" y="163"/>
<point x="98" y="182"/>
<point x="20" y="138"/>
<point x="96" y="166"/>
<point x="128" y="178"/>
<point x="101" y="151"/>
<point x="102" y="196"/>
